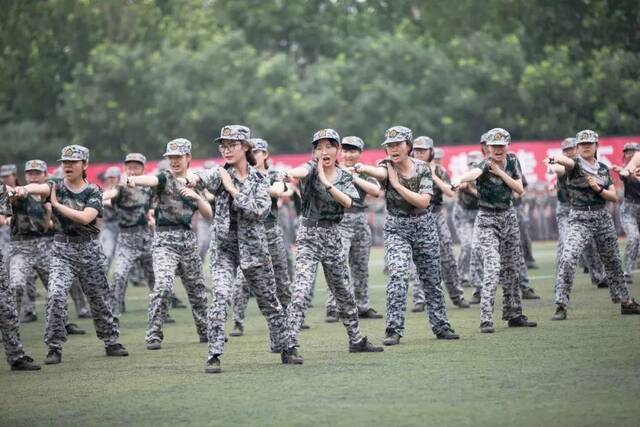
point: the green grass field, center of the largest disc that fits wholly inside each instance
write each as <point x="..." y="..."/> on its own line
<point x="584" y="371"/>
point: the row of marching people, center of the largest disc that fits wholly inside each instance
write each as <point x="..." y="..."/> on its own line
<point x="155" y="215"/>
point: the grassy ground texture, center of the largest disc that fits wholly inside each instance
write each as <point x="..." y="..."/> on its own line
<point x="583" y="371"/>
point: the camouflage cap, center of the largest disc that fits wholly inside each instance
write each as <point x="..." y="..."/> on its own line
<point x="73" y="153"/>
<point x="498" y="136"/>
<point x="483" y="138"/>
<point x="259" y="144"/>
<point x="178" y="147"/>
<point x="35" y="165"/>
<point x="568" y="143"/>
<point x="8" y="169"/>
<point x="326" y="134"/>
<point x="438" y="153"/>
<point x="353" y="141"/>
<point x="423" y="142"/>
<point x="112" y="172"/>
<point x="398" y="134"/>
<point x="234" y="133"/>
<point x="135" y="157"/>
<point x="631" y="146"/>
<point x="587" y="136"/>
<point x="474" y="157"/>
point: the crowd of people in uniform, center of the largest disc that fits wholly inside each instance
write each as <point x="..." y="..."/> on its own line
<point x="157" y="226"/>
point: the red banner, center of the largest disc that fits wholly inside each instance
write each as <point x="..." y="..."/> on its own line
<point x="530" y="153"/>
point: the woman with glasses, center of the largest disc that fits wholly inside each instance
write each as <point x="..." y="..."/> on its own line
<point x="242" y="204"/>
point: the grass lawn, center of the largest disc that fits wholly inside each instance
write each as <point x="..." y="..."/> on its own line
<point x="584" y="371"/>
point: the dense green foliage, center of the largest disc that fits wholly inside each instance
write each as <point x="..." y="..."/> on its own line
<point x="121" y="75"/>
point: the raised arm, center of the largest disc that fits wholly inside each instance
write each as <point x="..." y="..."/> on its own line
<point x="442" y="185"/>
<point x="142" y="181"/>
<point x="84" y="217"/>
<point x="561" y="160"/>
<point x="377" y="172"/>
<point x="418" y="200"/>
<point x="469" y="176"/>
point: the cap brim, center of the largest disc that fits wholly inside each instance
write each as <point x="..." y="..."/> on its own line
<point x="352" y="145"/>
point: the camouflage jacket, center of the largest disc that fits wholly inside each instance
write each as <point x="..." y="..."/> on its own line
<point x="273" y="177"/>
<point x="317" y="202"/>
<point x="89" y="197"/>
<point x="421" y="183"/>
<point x="631" y="189"/>
<point x="580" y="194"/>
<point x="245" y="213"/>
<point x="171" y="209"/>
<point x="437" y="193"/>
<point x="29" y="218"/>
<point x="5" y="205"/>
<point x="131" y="205"/>
<point x="360" y="204"/>
<point x="494" y="192"/>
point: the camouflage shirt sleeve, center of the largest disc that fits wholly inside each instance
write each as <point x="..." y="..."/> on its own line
<point x="253" y="201"/>
<point x="210" y="179"/>
<point x="94" y="199"/>
<point x="5" y="205"/>
<point x="162" y="181"/>
<point x="346" y="185"/>
<point x="425" y="181"/>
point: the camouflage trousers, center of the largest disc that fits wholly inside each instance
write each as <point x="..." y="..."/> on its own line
<point x="204" y="237"/>
<point x="9" y="321"/>
<point x="321" y="244"/>
<point x="583" y="226"/>
<point x="630" y="218"/>
<point x="463" y="220"/>
<point x="278" y="253"/>
<point x="28" y="258"/>
<point x="5" y="242"/>
<point x="406" y="239"/>
<point x="525" y="238"/>
<point x="589" y="256"/>
<point x="448" y="265"/>
<point x="261" y="283"/>
<point x="108" y="238"/>
<point x="498" y="239"/>
<point x="133" y="247"/>
<point x="175" y="252"/>
<point x="356" y="243"/>
<point x="83" y="262"/>
<point x="417" y="294"/>
<point x="477" y="267"/>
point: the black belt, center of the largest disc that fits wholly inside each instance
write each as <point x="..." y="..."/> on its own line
<point x="135" y="228"/>
<point x="324" y="223"/>
<point x="437" y="208"/>
<point x="62" y="238"/>
<point x="172" y="228"/>
<point x="410" y="215"/>
<point x="588" y="208"/>
<point x="270" y="224"/>
<point x="494" y="210"/>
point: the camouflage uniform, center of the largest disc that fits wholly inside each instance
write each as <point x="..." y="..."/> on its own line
<point x="9" y="322"/>
<point x="134" y="240"/>
<point x="109" y="234"/>
<point x="77" y="253"/>
<point x="590" y="253"/>
<point x="411" y="233"/>
<point x="175" y="251"/>
<point x="448" y="263"/>
<point x="497" y="237"/>
<point x="356" y="243"/>
<point x="240" y="241"/>
<point x="275" y="242"/>
<point x="589" y="218"/>
<point x="319" y="240"/>
<point x="464" y="216"/>
<point x="630" y="218"/>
